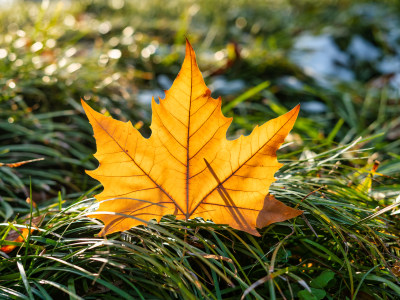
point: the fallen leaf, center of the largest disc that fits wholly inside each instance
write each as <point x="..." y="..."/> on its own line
<point x="19" y="237"/>
<point x="15" y="236"/>
<point x="396" y="268"/>
<point x="365" y="185"/>
<point x="187" y="167"/>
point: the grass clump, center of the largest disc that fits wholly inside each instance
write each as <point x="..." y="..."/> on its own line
<point x="346" y="244"/>
<point x="334" y="250"/>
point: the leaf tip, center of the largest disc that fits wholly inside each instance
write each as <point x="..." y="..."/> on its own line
<point x="85" y="106"/>
<point x="296" y="110"/>
<point x="275" y="211"/>
<point x="291" y="117"/>
<point x="188" y="45"/>
<point x="190" y="51"/>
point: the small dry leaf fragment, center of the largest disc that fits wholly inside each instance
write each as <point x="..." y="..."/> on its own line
<point x="19" y="237"/>
<point x="187" y="167"/>
<point x="396" y="268"/>
<point x="14" y="236"/>
<point x="29" y="201"/>
<point x="366" y="184"/>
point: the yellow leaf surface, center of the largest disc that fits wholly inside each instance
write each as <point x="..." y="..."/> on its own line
<point x="187" y="167"/>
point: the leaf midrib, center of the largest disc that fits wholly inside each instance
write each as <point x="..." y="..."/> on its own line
<point x="187" y="215"/>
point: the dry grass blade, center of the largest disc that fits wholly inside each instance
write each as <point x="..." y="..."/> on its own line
<point x="20" y="163"/>
<point x="378" y="213"/>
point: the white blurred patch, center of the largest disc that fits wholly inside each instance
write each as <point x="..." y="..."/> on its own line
<point x="222" y="86"/>
<point x="363" y="50"/>
<point x="320" y="57"/>
<point x="314" y="107"/>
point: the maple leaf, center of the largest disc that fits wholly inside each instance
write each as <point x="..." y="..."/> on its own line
<point x="187" y="167"/>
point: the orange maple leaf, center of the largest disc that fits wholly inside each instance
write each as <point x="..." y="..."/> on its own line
<point x="187" y="167"/>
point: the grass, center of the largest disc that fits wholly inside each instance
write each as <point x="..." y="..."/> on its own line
<point x="217" y="262"/>
<point x="345" y="246"/>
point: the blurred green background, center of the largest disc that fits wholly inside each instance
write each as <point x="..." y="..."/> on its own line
<point x="339" y="59"/>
